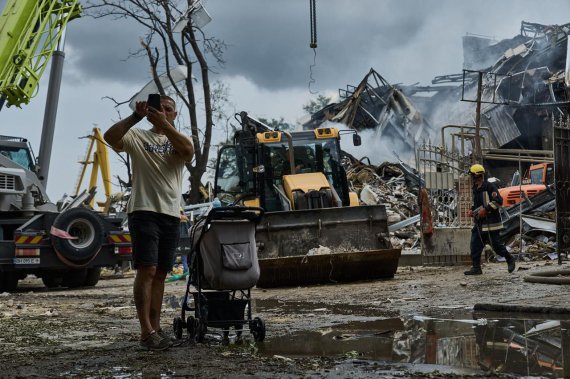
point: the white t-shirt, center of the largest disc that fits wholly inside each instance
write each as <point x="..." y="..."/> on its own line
<point x="157" y="172"/>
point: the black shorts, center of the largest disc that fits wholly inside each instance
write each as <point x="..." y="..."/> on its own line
<point x="155" y="238"/>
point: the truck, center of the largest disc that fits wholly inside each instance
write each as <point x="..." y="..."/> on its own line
<point x="535" y="180"/>
<point x="64" y="246"/>
<point x="298" y="180"/>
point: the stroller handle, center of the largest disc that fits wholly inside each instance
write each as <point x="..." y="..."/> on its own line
<point x="253" y="214"/>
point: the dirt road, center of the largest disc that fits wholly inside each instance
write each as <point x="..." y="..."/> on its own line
<point x="93" y="332"/>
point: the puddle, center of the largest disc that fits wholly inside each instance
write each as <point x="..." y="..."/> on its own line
<point x="493" y="342"/>
<point x="300" y="307"/>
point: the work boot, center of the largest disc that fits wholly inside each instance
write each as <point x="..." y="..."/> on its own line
<point x="474" y="271"/>
<point x="511" y="263"/>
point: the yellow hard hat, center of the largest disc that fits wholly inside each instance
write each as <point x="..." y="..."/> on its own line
<point x="477" y="169"/>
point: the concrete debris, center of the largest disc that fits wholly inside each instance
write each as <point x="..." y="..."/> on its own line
<point x="385" y="184"/>
<point x="396" y="186"/>
<point x="321" y="250"/>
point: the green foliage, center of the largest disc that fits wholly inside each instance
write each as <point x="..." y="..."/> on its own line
<point x="277" y="124"/>
<point x="314" y="106"/>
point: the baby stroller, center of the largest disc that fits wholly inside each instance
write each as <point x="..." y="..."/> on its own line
<point x="223" y="269"/>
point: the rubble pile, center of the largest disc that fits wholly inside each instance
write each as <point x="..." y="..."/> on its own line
<point x="395" y="185"/>
<point x="386" y="185"/>
<point x="538" y="248"/>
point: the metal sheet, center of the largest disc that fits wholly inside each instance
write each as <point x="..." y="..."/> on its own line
<point x="540" y="223"/>
<point x="500" y="121"/>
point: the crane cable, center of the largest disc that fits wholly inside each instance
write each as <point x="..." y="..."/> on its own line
<point x="313" y="44"/>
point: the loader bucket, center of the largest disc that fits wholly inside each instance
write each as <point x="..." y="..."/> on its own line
<point x="330" y="268"/>
<point x="346" y="229"/>
<point x="355" y="238"/>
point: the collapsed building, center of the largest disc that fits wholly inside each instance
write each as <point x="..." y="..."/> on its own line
<point x="525" y="83"/>
<point x="521" y="86"/>
<point x="375" y="104"/>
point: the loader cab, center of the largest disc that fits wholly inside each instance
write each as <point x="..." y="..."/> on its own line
<point x="234" y="177"/>
<point x="255" y="170"/>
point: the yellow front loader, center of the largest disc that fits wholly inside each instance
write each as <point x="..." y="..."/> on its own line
<point x="298" y="179"/>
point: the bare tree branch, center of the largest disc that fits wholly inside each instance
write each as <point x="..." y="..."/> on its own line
<point x="164" y="51"/>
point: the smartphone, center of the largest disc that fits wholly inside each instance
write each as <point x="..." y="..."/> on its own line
<point x="154" y="101"/>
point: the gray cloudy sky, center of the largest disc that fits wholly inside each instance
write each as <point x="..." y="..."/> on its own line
<point x="268" y="59"/>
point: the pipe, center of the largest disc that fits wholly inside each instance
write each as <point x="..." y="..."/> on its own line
<point x="519" y="151"/>
<point x="461" y="127"/>
<point x="291" y="152"/>
<point x="516" y="159"/>
<point x="50" y="114"/>
<point x="549" y="277"/>
<point x="567" y="72"/>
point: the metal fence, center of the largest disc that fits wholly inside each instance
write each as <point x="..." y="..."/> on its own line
<point x="445" y="176"/>
<point x="448" y="184"/>
<point x="561" y="134"/>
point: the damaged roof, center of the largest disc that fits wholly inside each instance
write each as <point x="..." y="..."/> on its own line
<point x="529" y="79"/>
<point x="375" y="104"/>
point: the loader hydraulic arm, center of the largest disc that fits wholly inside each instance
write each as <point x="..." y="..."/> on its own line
<point x="29" y="33"/>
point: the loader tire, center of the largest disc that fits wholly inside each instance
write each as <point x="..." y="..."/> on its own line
<point x="84" y="224"/>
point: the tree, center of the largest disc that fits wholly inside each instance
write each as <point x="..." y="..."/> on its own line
<point x="314" y="106"/>
<point x="277" y="124"/>
<point x="166" y="49"/>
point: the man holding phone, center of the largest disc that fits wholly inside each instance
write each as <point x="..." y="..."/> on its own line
<point x="158" y="156"/>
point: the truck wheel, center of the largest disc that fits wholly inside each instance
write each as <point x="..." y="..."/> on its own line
<point x="75" y="278"/>
<point x="93" y="275"/>
<point x="52" y="280"/>
<point x="8" y="281"/>
<point x="84" y="224"/>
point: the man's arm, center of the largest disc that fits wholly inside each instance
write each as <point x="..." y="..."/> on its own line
<point x="179" y="141"/>
<point x="114" y="135"/>
<point x="496" y="201"/>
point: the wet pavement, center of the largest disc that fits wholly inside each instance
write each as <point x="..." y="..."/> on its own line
<point x="470" y="343"/>
<point x="420" y="324"/>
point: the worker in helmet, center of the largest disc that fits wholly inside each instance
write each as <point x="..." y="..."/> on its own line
<point x="485" y="211"/>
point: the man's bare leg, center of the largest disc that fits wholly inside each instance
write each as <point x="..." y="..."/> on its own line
<point x="157" y="294"/>
<point x="142" y="290"/>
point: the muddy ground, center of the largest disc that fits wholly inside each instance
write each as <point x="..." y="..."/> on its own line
<point x="93" y="332"/>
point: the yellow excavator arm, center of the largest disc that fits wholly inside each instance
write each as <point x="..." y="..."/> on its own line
<point x="29" y="33"/>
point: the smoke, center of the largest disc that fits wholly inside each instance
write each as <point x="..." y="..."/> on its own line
<point x="378" y="149"/>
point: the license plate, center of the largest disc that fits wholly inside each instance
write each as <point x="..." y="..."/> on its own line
<point x="26" y="261"/>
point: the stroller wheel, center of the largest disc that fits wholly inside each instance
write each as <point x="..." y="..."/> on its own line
<point x="191" y="327"/>
<point x="257" y="327"/>
<point x="178" y="325"/>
